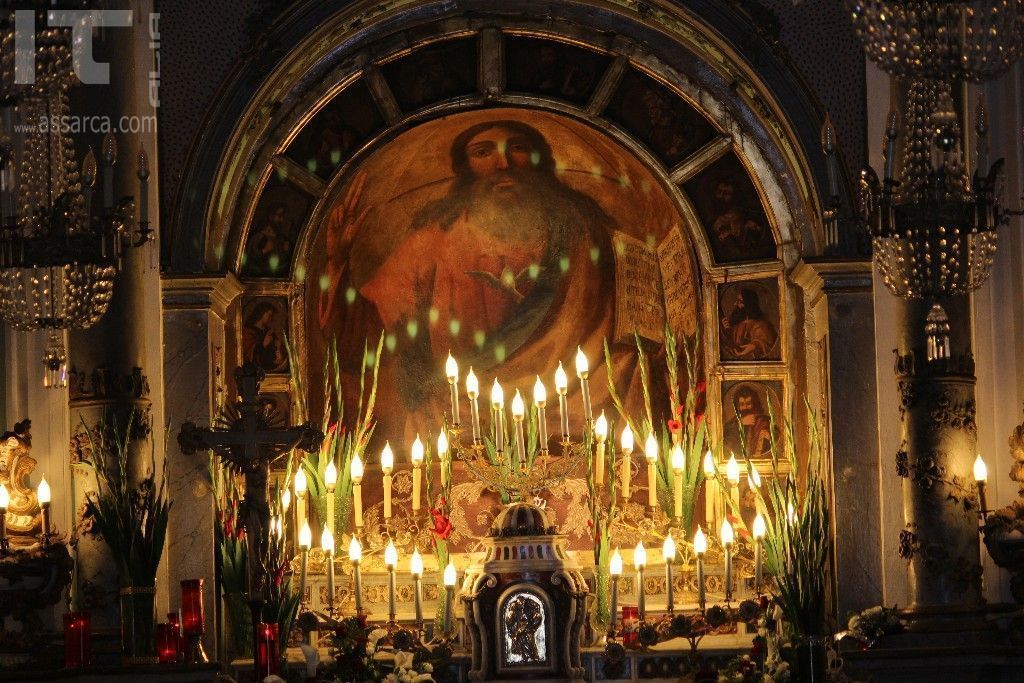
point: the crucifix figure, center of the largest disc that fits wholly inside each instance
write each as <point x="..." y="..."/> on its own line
<point x="249" y="437"/>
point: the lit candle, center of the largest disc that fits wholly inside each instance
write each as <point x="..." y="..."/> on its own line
<point x="5" y="502"/>
<point x="753" y="479"/>
<point x="444" y="458"/>
<point x="498" y="416"/>
<point x="305" y="541"/>
<point x="627" y="450"/>
<point x="732" y="470"/>
<point x="540" y="399"/>
<point x="286" y="500"/>
<point x="668" y="550"/>
<point x="562" y="387"/>
<point x="700" y="546"/>
<point x="300" y="497"/>
<point x="451" y="370"/>
<point x="387" y="464"/>
<point x="615" y="571"/>
<point x="727" y="539"/>
<point x="759" y="531"/>
<point x="417" y="464"/>
<point x="43" y="496"/>
<point x="472" y="391"/>
<point x="449" y="588"/>
<point x="357" y="490"/>
<point x="416" y="569"/>
<point x="678" y="461"/>
<point x="651" y="453"/>
<point x="327" y="544"/>
<point x="518" y="412"/>
<point x="600" y="436"/>
<point x="640" y="561"/>
<point x="391" y="562"/>
<point x="331" y="481"/>
<point x="583" y="371"/>
<point x="981" y="478"/>
<point x="355" y="554"/>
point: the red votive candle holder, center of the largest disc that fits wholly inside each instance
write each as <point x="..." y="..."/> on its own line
<point x="167" y="643"/>
<point x="77" y="640"/>
<point x="192" y="620"/>
<point x="630" y="624"/>
<point x="268" y="651"/>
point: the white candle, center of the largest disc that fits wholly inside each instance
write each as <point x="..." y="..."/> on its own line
<point x="416" y="569"/>
<point x="600" y="436"/>
<point x="449" y="587"/>
<point x="498" y="416"/>
<point x="668" y="549"/>
<point x="472" y="391"/>
<point x="355" y="554"/>
<point x="727" y="540"/>
<point x="700" y="546"/>
<point x="678" y="462"/>
<point x="540" y="399"/>
<point x="5" y="502"/>
<point x="43" y="496"/>
<point x="300" y="497"/>
<point x="387" y="464"/>
<point x="651" y="453"/>
<point x="710" y="490"/>
<point x="640" y="561"/>
<point x="562" y="387"/>
<point x="759" y="531"/>
<point x="583" y="371"/>
<point x="518" y="412"/>
<point x="444" y="458"/>
<point x="615" y="570"/>
<point x="417" y="463"/>
<point x="357" y="490"/>
<point x="391" y="562"/>
<point x="331" y="482"/>
<point x="451" y="369"/>
<point x="981" y="478"/>
<point x="624" y="473"/>
<point x="305" y="541"/>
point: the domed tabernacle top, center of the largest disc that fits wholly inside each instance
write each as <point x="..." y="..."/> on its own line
<point x="521" y="519"/>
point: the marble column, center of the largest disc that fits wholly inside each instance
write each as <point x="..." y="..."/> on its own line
<point x="840" y="362"/>
<point x="939" y="435"/>
<point x="194" y="313"/>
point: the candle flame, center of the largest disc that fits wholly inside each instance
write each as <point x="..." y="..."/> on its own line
<point x="615" y="564"/>
<point x="540" y="394"/>
<point x="760" y="528"/>
<point x="678" y="460"/>
<point x="727" y="534"/>
<point x="451" y="368"/>
<point x="331" y="474"/>
<point x="732" y="470"/>
<point x="442" y="443"/>
<point x="449" y="574"/>
<point x="357" y="467"/>
<point x="416" y="563"/>
<point x="327" y="540"/>
<point x="709" y="464"/>
<point x="5" y="498"/>
<point x="518" y="407"/>
<point x="305" y="536"/>
<point x="391" y="555"/>
<point x="980" y="470"/>
<point x="497" y="394"/>
<point x="472" y="384"/>
<point x="651" y="448"/>
<point x="627" y="439"/>
<point x="387" y="458"/>
<point x="286" y="500"/>
<point x="668" y="549"/>
<point x="300" y="482"/>
<point x="355" y="550"/>
<point x="43" y="492"/>
<point x="582" y="365"/>
<point x="700" y="541"/>
<point x="640" y="556"/>
<point x="417" y="450"/>
<point x="601" y="427"/>
<point x="561" y="379"/>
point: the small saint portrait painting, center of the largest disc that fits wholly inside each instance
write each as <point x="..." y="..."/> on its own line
<point x="747" y="418"/>
<point x="264" y="328"/>
<point x="551" y="68"/>
<point x="730" y="209"/>
<point x="508" y="237"/>
<point x="435" y="73"/>
<point x="748" y="320"/>
<point x="281" y="212"/>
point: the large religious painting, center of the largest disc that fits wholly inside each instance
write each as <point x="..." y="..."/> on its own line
<point x="508" y="237"/>
<point x="730" y="209"/>
<point x="747" y="411"/>
<point x="748" y="319"/>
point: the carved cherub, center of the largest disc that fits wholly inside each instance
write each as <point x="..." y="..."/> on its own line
<point x="1017" y="452"/>
<point x="15" y="466"/>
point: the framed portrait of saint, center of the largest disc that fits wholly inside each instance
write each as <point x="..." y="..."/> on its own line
<point x="264" y="329"/>
<point x="280" y="213"/>
<point x="747" y="417"/>
<point x="749" y="321"/>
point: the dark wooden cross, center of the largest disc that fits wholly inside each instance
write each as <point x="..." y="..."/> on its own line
<point x="248" y="440"/>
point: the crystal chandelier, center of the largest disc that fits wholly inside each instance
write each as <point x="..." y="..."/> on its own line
<point x="60" y="250"/>
<point x="965" y="40"/>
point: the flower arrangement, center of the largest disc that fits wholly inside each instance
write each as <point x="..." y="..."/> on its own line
<point x="356" y="656"/>
<point x="873" y="623"/>
<point x="130" y="517"/>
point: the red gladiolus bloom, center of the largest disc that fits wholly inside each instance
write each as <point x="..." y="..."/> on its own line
<point x="442" y="525"/>
<point x="675" y="426"/>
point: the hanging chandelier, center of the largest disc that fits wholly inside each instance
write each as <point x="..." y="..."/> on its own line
<point x="965" y="40"/>
<point x="60" y="247"/>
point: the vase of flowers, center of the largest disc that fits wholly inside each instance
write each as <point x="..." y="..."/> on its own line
<point x="130" y="513"/>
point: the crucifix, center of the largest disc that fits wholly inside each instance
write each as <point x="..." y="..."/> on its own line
<point x="249" y="438"/>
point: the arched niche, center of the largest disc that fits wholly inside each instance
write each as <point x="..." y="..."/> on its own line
<point x="664" y="88"/>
